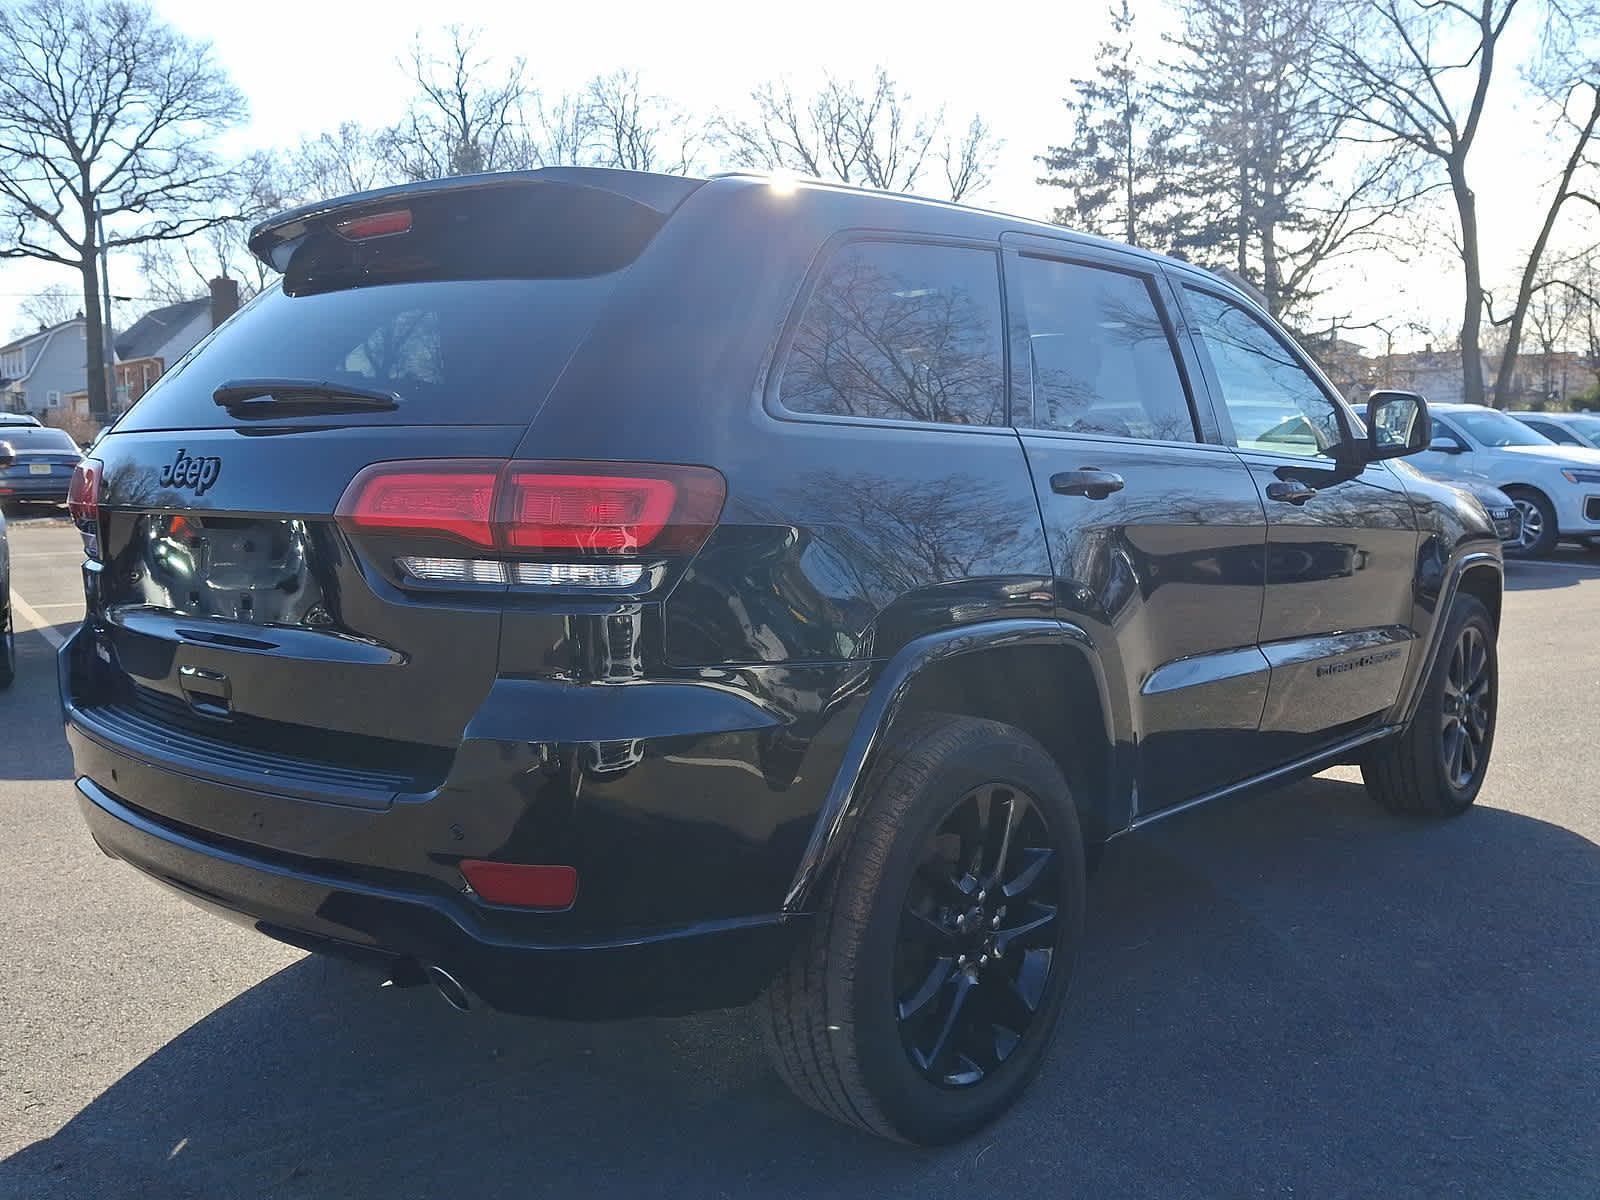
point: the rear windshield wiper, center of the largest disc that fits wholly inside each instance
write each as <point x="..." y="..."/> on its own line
<point x="244" y="396"/>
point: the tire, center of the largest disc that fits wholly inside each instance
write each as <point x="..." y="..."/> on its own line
<point x="836" y="1018"/>
<point x="1419" y="772"/>
<point x="1537" y="514"/>
<point x="8" y="646"/>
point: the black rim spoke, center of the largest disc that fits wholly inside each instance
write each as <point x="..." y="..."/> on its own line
<point x="977" y="936"/>
<point x="937" y="978"/>
<point x="1033" y="870"/>
<point x="1037" y="930"/>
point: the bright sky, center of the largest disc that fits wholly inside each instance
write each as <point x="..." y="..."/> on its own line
<point x="309" y="65"/>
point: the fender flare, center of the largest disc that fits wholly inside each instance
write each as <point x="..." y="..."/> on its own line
<point x="831" y="832"/>
<point x="1406" y="709"/>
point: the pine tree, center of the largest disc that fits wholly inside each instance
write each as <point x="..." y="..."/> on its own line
<point x="1114" y="168"/>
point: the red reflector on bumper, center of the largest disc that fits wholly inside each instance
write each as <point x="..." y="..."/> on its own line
<point x="521" y="884"/>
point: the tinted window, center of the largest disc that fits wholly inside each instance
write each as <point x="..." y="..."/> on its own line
<point x="1100" y="360"/>
<point x="1490" y="427"/>
<point x="1554" y="432"/>
<point x="901" y="331"/>
<point x="465" y="352"/>
<point x="25" y="437"/>
<point x="1274" y="403"/>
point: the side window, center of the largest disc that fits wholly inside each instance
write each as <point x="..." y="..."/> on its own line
<point x="1274" y="403"/>
<point x="1446" y="438"/>
<point x="1554" y="432"/>
<point x="896" y="330"/>
<point x="1100" y="360"/>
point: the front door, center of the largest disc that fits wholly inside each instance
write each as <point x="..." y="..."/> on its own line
<point x="1341" y="538"/>
<point x="1156" y="538"/>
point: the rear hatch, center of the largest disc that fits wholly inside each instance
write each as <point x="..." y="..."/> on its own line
<point x="237" y="623"/>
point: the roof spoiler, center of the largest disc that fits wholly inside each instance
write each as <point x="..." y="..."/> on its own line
<point x="275" y="240"/>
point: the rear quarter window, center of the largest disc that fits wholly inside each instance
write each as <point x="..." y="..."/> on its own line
<point x="901" y="331"/>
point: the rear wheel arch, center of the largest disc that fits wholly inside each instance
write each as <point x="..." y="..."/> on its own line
<point x="1039" y="676"/>
<point x="1051" y="693"/>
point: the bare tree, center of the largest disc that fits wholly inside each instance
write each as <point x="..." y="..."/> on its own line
<point x="874" y="138"/>
<point x="631" y="128"/>
<point x="467" y="116"/>
<point x="48" y="307"/>
<point x="1577" y="97"/>
<point x="1415" y="74"/>
<point x="350" y="158"/>
<point x="106" y="115"/>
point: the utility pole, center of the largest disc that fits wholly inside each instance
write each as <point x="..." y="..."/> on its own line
<point x="108" y="354"/>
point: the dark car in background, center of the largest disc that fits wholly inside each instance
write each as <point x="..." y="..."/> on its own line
<point x="608" y="594"/>
<point x="36" y="464"/>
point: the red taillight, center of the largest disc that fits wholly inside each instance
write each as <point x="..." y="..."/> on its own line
<point x="608" y="513"/>
<point x="83" y="493"/>
<point x="522" y="884"/>
<point x="522" y="507"/>
<point x="371" y="225"/>
<point x="451" y="500"/>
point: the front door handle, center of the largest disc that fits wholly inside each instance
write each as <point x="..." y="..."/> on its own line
<point x="1290" y="491"/>
<point x="1091" y="482"/>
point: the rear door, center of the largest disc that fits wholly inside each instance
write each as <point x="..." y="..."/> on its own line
<point x="1341" y="539"/>
<point x="1156" y="536"/>
<point x="228" y="604"/>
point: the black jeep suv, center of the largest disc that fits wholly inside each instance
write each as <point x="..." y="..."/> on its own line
<point x="612" y="594"/>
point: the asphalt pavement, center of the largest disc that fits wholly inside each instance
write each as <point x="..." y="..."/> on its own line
<point x="1289" y="994"/>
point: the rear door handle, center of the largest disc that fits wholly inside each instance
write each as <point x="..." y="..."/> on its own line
<point x="1091" y="482"/>
<point x="1290" y="491"/>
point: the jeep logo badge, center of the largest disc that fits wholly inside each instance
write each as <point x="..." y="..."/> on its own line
<point x="196" y="473"/>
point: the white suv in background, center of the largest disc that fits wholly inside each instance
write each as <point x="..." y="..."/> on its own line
<point x="1557" y="488"/>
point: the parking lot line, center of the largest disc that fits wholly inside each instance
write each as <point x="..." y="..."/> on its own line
<point x="32" y="620"/>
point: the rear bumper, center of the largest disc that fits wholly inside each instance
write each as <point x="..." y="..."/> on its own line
<point x="43" y="487"/>
<point x="663" y="972"/>
<point x="685" y="848"/>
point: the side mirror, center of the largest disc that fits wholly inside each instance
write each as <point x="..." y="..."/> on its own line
<point x="8" y="456"/>
<point x="1397" y="424"/>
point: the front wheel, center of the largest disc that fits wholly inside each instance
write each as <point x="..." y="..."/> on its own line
<point x="1436" y="767"/>
<point x="1539" y="532"/>
<point x="924" y="998"/>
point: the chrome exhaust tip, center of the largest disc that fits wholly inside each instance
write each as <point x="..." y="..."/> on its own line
<point x="447" y="985"/>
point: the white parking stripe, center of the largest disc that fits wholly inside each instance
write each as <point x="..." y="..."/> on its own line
<point x="32" y="620"/>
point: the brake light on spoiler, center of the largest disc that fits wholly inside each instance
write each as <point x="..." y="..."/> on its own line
<point x="587" y="515"/>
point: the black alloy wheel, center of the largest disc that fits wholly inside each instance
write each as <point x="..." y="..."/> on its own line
<point x="1467" y="709"/>
<point x="977" y="936"/>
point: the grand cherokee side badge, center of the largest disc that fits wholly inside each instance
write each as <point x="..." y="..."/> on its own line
<point x="196" y="473"/>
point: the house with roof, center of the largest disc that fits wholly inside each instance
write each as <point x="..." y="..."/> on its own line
<point x="156" y="341"/>
<point x="40" y="370"/>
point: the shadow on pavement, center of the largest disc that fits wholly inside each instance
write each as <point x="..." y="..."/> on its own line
<point x="32" y="745"/>
<point x="1290" y="993"/>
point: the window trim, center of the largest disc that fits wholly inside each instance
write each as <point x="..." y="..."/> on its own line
<point x="1017" y="318"/>
<point x="772" y="389"/>
<point x="1183" y="283"/>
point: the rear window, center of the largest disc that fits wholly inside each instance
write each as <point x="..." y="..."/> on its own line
<point x="32" y="437"/>
<point x="456" y="352"/>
